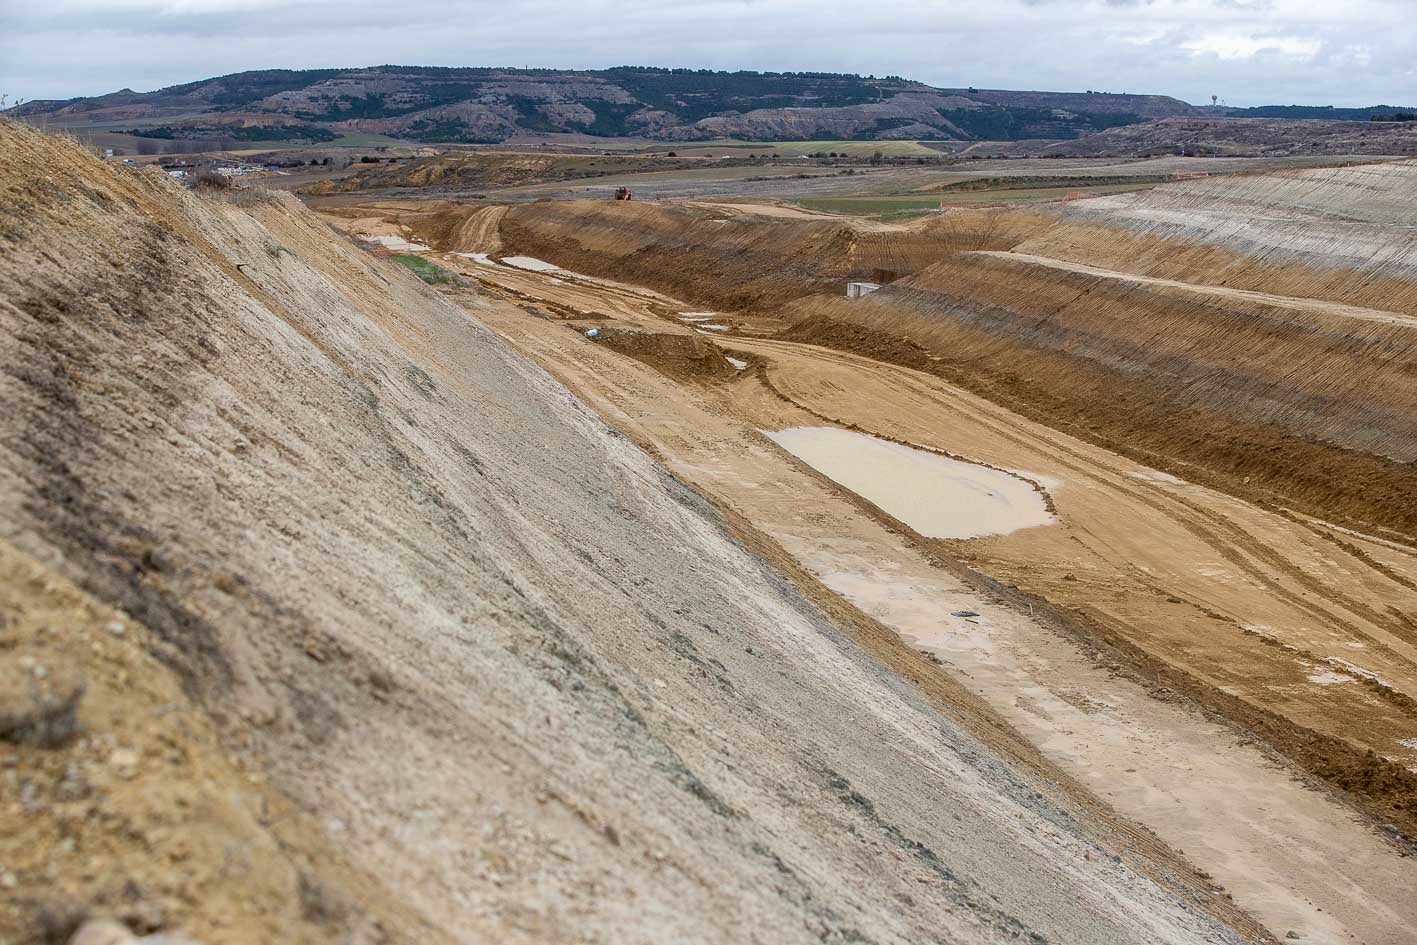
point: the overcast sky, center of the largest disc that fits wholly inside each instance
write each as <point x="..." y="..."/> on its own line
<point x="1248" y="52"/>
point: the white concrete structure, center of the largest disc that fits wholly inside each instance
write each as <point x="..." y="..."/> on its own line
<point x="854" y="290"/>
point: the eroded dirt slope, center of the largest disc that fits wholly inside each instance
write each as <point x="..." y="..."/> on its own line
<point x="517" y="676"/>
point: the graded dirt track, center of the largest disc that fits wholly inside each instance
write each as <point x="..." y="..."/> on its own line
<point x="1213" y="670"/>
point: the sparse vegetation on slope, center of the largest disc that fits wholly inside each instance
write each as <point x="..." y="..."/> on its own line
<point x="427" y="270"/>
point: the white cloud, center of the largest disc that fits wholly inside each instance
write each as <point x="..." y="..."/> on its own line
<point x="1242" y="46"/>
<point x="1247" y="51"/>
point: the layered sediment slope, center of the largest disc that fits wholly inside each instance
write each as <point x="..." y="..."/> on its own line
<point x="443" y="657"/>
<point x="1339" y="234"/>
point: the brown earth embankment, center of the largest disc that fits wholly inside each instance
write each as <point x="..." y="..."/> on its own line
<point x="739" y="261"/>
<point x="1142" y="420"/>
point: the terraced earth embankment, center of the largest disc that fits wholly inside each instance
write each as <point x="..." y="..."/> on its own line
<point x="739" y="257"/>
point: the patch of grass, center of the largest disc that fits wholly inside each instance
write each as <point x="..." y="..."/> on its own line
<point x="883" y="207"/>
<point x="857" y="149"/>
<point x="791" y="149"/>
<point x="427" y="270"/>
<point x="889" y="206"/>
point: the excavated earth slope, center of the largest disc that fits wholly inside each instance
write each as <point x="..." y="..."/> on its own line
<point x="1257" y="332"/>
<point x="731" y="259"/>
<point x="376" y="634"/>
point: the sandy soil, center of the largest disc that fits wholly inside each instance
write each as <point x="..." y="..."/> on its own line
<point x="1199" y="580"/>
<point x="525" y="684"/>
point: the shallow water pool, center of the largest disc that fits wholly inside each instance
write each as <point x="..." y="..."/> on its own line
<point x="937" y="496"/>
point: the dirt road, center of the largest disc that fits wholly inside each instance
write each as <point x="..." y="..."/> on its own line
<point x="1276" y="611"/>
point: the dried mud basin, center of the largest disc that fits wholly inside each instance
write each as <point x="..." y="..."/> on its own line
<point x="937" y="496"/>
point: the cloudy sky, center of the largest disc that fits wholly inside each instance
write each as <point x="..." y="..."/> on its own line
<point x="1248" y="52"/>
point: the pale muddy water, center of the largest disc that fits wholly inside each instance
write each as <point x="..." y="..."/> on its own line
<point x="937" y="496"/>
<point x="481" y="258"/>
<point x="395" y="243"/>
<point x="531" y="263"/>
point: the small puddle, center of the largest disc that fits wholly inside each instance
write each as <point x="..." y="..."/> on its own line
<point x="480" y="258"/>
<point x="395" y="243"/>
<point x="1327" y="677"/>
<point x="531" y="263"/>
<point x="937" y="496"/>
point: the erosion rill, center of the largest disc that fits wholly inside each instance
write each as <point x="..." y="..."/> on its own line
<point x="326" y="617"/>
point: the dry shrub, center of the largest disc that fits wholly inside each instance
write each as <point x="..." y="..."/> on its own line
<point x="209" y="181"/>
<point x="254" y="195"/>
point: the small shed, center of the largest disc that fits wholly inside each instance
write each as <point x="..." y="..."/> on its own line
<point x="854" y="290"/>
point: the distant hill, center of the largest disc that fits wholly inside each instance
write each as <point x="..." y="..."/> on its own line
<point x="1320" y="112"/>
<point x="488" y="105"/>
<point x="1227" y="137"/>
<point x="437" y="105"/>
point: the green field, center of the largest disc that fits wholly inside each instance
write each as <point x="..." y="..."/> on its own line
<point x="427" y="270"/>
<point x="890" y="206"/>
<point x="364" y="139"/>
<point x="791" y="149"/>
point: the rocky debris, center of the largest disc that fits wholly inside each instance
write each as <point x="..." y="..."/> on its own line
<point x="49" y="720"/>
<point x="109" y="932"/>
<point x="134" y="817"/>
<point x="102" y="932"/>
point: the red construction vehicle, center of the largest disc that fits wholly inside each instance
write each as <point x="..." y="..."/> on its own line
<point x="624" y="193"/>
